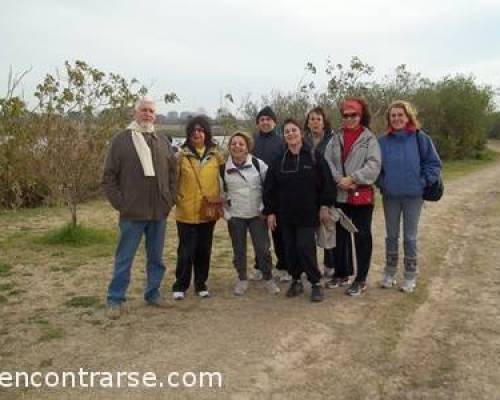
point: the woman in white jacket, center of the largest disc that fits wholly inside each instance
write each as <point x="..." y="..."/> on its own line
<point x="242" y="179"/>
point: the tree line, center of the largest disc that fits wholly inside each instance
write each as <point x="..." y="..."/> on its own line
<point x="53" y="152"/>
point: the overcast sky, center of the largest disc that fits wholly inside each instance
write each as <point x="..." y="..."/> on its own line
<point x="204" y="49"/>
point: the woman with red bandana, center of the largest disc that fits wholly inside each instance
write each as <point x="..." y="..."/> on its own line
<point x="409" y="164"/>
<point x="354" y="158"/>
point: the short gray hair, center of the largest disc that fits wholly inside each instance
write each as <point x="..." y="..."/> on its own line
<point x="142" y="100"/>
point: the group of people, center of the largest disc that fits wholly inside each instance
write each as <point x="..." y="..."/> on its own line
<point x="293" y="185"/>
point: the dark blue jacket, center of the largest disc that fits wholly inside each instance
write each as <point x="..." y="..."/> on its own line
<point x="268" y="146"/>
<point x="406" y="169"/>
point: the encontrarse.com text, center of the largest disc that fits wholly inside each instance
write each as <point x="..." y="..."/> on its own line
<point x="111" y="380"/>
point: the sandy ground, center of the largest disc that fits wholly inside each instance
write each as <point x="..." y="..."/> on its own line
<point x="441" y="342"/>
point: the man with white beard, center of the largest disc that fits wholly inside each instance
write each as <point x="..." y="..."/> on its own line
<point x="139" y="182"/>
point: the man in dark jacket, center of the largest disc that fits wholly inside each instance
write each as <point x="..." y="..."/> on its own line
<point x="139" y="182"/>
<point x="269" y="145"/>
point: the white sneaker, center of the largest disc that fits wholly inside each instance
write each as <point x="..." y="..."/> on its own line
<point x="257" y="275"/>
<point x="284" y="276"/>
<point x="387" y="282"/>
<point x="203" y="293"/>
<point x="408" y="286"/>
<point x="240" y="288"/>
<point x="271" y="287"/>
<point x="178" y="295"/>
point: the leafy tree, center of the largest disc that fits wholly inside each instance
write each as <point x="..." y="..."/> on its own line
<point x="18" y="185"/>
<point x="456" y="110"/>
<point x="79" y="108"/>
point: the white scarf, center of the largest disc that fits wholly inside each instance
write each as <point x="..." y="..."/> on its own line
<point x="142" y="148"/>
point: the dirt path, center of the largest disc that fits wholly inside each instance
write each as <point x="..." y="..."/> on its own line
<point x="442" y="342"/>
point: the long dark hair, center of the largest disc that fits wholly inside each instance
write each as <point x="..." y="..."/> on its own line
<point x="320" y="111"/>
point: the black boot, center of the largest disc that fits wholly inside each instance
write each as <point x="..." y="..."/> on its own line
<point x="296" y="288"/>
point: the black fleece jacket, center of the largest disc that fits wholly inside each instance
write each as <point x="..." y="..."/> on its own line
<point x="296" y="186"/>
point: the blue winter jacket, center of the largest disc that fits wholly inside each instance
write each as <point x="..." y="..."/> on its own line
<point x="406" y="170"/>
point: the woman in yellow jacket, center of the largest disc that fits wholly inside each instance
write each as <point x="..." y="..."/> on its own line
<point x="197" y="177"/>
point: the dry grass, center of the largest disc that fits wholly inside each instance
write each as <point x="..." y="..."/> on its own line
<point x="382" y="345"/>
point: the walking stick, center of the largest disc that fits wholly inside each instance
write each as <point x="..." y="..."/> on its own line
<point x="349" y="226"/>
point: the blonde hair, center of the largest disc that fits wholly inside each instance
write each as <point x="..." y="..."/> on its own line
<point x="245" y="136"/>
<point x="409" y="109"/>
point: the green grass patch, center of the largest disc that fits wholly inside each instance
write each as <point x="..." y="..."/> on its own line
<point x="5" y="270"/>
<point x="456" y="168"/>
<point x="77" y="236"/>
<point x="16" y="292"/>
<point x="38" y="320"/>
<point x="55" y="268"/>
<point x="50" y="332"/>
<point x="3" y="299"/>
<point x="5" y="287"/>
<point x="83" y="301"/>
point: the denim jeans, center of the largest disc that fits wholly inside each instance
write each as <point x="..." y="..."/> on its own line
<point x="130" y="236"/>
<point x="409" y="208"/>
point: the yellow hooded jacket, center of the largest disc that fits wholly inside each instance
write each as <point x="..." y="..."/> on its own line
<point x="189" y="196"/>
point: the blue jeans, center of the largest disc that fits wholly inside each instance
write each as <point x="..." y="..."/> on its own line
<point x="130" y="236"/>
<point x="410" y="208"/>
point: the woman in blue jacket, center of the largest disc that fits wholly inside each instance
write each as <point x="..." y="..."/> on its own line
<point x="410" y="162"/>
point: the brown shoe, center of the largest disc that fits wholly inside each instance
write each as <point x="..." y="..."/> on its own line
<point x="160" y="302"/>
<point x="114" y="311"/>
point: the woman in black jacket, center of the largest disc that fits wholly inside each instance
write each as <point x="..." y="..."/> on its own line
<point x="297" y="192"/>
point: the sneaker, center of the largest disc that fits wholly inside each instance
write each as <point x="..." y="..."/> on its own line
<point x="257" y="275"/>
<point x="284" y="276"/>
<point x="328" y="272"/>
<point x="356" y="288"/>
<point x="159" y="302"/>
<point x="271" y="287"/>
<point x="408" y="286"/>
<point x="203" y="293"/>
<point x="240" y="288"/>
<point x="317" y="293"/>
<point x="178" y="295"/>
<point x="337" y="282"/>
<point x="114" y="311"/>
<point x="388" y="281"/>
<point x="296" y="288"/>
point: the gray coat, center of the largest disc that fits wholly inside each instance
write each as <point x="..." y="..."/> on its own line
<point x="135" y="196"/>
<point x="362" y="164"/>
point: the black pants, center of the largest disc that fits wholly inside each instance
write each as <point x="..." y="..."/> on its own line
<point x="194" y="250"/>
<point x="279" y="250"/>
<point x="329" y="258"/>
<point x="361" y="216"/>
<point x="300" y="251"/>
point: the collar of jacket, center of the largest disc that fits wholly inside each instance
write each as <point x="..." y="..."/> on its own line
<point x="364" y="134"/>
<point x="230" y="165"/>
<point x="327" y="134"/>
<point x="268" y="134"/>
<point x="188" y="152"/>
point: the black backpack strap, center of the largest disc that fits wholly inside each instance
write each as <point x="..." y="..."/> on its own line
<point x="256" y="164"/>
<point x="222" y="173"/>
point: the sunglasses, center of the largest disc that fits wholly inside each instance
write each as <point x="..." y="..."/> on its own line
<point x="350" y="115"/>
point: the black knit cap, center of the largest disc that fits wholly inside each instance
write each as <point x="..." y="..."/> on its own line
<point x="266" y="112"/>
